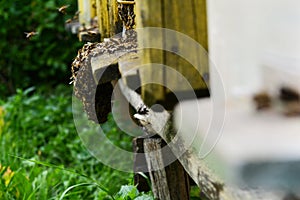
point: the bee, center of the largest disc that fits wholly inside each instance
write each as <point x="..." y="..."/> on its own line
<point x="63" y="9"/>
<point x="30" y="34"/>
<point x="68" y="21"/>
<point x="92" y="32"/>
<point x="77" y="13"/>
<point x="262" y="100"/>
<point x="75" y="17"/>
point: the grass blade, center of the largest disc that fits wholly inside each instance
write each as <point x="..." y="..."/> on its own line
<point x="72" y="187"/>
<point x="71" y="171"/>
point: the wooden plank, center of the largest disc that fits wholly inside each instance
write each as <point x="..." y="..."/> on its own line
<point x="87" y="11"/>
<point x="140" y="165"/>
<point x="201" y="28"/>
<point x="108" y="19"/>
<point x="176" y="179"/>
<point x="115" y="24"/>
<point x="149" y="15"/>
<point x="156" y="169"/>
<point x="103" y="18"/>
<point x="171" y="41"/>
<point x="183" y="14"/>
<point x="93" y="6"/>
<point x="200" y="14"/>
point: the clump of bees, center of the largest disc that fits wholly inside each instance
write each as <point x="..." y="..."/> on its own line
<point x="96" y="98"/>
<point x="126" y="13"/>
<point x="288" y="99"/>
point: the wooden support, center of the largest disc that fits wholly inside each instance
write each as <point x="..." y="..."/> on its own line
<point x="140" y="165"/>
<point x="168" y="182"/>
<point x="156" y="166"/>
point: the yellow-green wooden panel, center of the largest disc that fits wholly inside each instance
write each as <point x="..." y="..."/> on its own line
<point x="149" y="15"/>
<point x="182" y="13"/>
<point x="103" y="18"/>
<point x="87" y="11"/>
<point x="171" y="21"/>
<point x="202" y="35"/>
<point x="187" y="17"/>
<point x="108" y="19"/>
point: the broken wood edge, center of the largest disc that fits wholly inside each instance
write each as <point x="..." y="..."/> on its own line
<point x="95" y="92"/>
<point x="106" y="69"/>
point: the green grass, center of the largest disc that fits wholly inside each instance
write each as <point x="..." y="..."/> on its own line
<point x="42" y="156"/>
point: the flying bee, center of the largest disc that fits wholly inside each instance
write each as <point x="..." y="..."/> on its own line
<point x="77" y="13"/>
<point x="68" y="21"/>
<point x="30" y="34"/>
<point x="63" y="9"/>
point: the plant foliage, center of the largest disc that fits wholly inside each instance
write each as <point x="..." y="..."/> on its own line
<point x="44" y="58"/>
<point x="40" y="128"/>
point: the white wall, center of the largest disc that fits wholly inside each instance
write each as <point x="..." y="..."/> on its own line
<point x="246" y="35"/>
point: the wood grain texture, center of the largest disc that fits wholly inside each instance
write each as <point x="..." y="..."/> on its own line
<point x="156" y="169"/>
<point x="108" y="19"/>
<point x="149" y="15"/>
<point x="185" y="17"/>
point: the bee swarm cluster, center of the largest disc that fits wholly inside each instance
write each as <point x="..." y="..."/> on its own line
<point x="96" y="98"/>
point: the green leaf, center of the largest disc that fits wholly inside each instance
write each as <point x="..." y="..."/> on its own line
<point x="128" y="192"/>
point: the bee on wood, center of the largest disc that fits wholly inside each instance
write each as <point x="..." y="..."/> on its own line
<point x="92" y="32"/>
<point x="30" y="34"/>
<point x="63" y="9"/>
